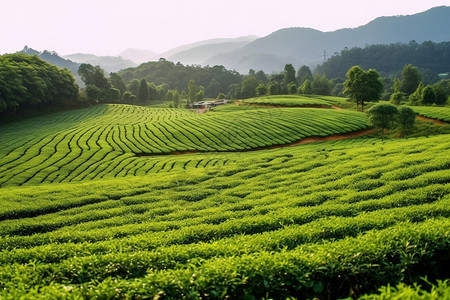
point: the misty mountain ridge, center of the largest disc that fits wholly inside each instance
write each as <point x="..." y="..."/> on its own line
<point x="306" y="46"/>
<point x="107" y="63"/>
<point x="198" y="45"/>
<point x="138" y="56"/>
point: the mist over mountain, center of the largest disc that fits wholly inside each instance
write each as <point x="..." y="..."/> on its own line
<point x="208" y="43"/>
<point x="138" y="56"/>
<point x="107" y="63"/>
<point x="306" y="46"/>
<point x="200" y="54"/>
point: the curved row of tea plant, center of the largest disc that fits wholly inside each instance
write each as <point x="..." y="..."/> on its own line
<point x="101" y="142"/>
<point x="320" y="220"/>
<point x="287" y="100"/>
<point x="438" y="113"/>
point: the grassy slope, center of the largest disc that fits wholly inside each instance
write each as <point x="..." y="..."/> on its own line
<point x="344" y="207"/>
<point x="101" y="142"/>
<point x="325" y="219"/>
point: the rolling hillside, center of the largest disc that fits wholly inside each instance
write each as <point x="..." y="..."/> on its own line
<point x="127" y="202"/>
<point x="106" y="141"/>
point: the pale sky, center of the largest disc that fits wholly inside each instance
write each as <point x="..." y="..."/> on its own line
<point x="107" y="27"/>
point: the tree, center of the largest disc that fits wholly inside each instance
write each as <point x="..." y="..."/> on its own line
<point x="234" y="91"/>
<point x="416" y="97"/>
<point x="176" y="99"/>
<point x="261" y="76"/>
<point x="397" y="97"/>
<point x="304" y="73"/>
<point x="289" y="75"/>
<point x="274" y="88"/>
<point x="409" y="79"/>
<point x="321" y="85"/>
<point x="142" y="95"/>
<point x="362" y="86"/>
<point x="383" y="116"/>
<point x="248" y="87"/>
<point x="117" y="82"/>
<point x="192" y="91"/>
<point x="428" y="96"/>
<point x="306" y="87"/>
<point x="153" y="92"/>
<point x="406" y="118"/>
<point x="30" y="82"/>
<point x="93" y="76"/>
<point x="261" y="90"/>
<point x="292" y="88"/>
<point x="93" y="93"/>
<point x="221" y="96"/>
<point x="128" y="97"/>
<point x="133" y="87"/>
<point x="200" y="95"/>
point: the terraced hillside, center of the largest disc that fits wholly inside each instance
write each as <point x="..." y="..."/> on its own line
<point x="288" y="100"/>
<point x="323" y="220"/>
<point x="98" y="204"/>
<point x="105" y="141"/>
<point x="438" y="113"/>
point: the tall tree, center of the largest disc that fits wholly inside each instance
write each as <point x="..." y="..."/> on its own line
<point x="248" y="88"/>
<point x="289" y="75"/>
<point x="416" y="97"/>
<point x="428" y="96"/>
<point x="362" y="86"/>
<point x="192" y="91"/>
<point x="261" y="76"/>
<point x="409" y="80"/>
<point x="306" y="87"/>
<point x="406" y="119"/>
<point x="93" y="76"/>
<point x="321" y="85"/>
<point x="117" y="82"/>
<point x="383" y="116"/>
<point x="142" y="95"/>
<point x="261" y="90"/>
<point x="303" y="74"/>
<point x="133" y="87"/>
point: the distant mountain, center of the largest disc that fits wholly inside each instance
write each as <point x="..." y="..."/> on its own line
<point x="198" y="55"/>
<point x="306" y="46"/>
<point x="53" y="58"/>
<point x="138" y="56"/>
<point x="107" y="63"/>
<point x="209" y="47"/>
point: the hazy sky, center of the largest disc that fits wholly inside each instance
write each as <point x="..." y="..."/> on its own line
<point x="107" y="27"/>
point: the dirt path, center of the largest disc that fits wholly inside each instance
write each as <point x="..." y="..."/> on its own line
<point x="435" y="121"/>
<point x="307" y="140"/>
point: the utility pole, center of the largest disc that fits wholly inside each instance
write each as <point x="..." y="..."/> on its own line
<point x="324" y="55"/>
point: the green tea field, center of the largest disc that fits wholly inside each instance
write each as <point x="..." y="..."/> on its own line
<point x="107" y="141"/>
<point x="127" y="202"/>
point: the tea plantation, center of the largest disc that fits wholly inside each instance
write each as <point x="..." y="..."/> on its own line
<point x="124" y="202"/>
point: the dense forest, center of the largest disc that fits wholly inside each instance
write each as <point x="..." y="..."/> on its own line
<point x="432" y="58"/>
<point x="30" y="84"/>
<point x="214" y="79"/>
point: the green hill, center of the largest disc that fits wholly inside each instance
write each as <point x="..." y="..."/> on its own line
<point x="83" y="217"/>
<point x="106" y="140"/>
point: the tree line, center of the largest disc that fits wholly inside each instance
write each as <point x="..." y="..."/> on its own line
<point x="28" y="83"/>
<point x="431" y="58"/>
